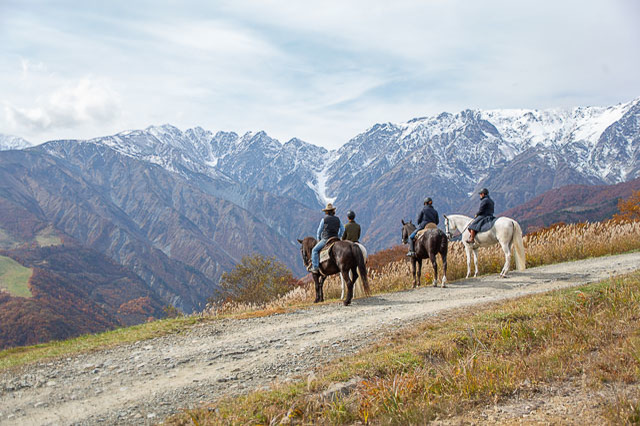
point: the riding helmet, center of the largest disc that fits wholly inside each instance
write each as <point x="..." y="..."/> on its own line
<point x="428" y="200"/>
<point x="351" y="215"/>
<point x="484" y="191"/>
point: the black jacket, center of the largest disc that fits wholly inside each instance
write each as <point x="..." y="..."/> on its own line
<point x="428" y="215"/>
<point x="331" y="227"/>
<point x="486" y="207"/>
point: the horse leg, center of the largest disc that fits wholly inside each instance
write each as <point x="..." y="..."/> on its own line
<point x="347" y="301"/>
<point x="418" y="273"/>
<point x="353" y="276"/>
<point x="434" y="263"/>
<point x="475" y="261"/>
<point x="343" y="287"/>
<point x="507" y="259"/>
<point x="444" y="270"/>
<point x="467" y="248"/>
<point x="318" y="288"/>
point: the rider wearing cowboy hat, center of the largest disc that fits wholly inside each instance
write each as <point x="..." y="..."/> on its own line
<point x="351" y="229"/>
<point x="330" y="226"/>
<point x="427" y="215"/>
<point x="484" y="215"/>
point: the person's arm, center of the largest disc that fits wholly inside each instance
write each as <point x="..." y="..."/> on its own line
<point x="319" y="232"/>
<point x="358" y="233"/>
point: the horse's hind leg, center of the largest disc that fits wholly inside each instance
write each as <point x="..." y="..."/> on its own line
<point x="444" y="270"/>
<point x="343" y="287"/>
<point x="434" y="263"/>
<point x="507" y="259"/>
<point x="345" y="275"/>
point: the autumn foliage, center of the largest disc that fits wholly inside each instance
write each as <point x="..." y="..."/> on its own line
<point x="256" y="279"/>
<point x="629" y="207"/>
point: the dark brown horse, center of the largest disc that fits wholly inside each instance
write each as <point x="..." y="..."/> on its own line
<point x="344" y="257"/>
<point x="432" y="242"/>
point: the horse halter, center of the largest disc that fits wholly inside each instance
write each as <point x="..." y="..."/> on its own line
<point x="446" y="228"/>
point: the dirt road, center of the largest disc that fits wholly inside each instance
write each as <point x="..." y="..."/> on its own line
<point x="146" y="381"/>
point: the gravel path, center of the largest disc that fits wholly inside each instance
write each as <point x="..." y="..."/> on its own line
<point x="148" y="380"/>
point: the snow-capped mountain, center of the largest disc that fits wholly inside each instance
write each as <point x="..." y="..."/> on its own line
<point x="8" y="142"/>
<point x="385" y="172"/>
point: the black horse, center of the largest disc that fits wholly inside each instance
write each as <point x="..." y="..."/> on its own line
<point x="432" y="242"/>
<point x="344" y="256"/>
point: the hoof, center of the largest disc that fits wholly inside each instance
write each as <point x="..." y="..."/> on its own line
<point x="345" y="303"/>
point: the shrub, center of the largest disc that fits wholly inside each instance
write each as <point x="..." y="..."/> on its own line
<point x="256" y="280"/>
<point x="629" y="207"/>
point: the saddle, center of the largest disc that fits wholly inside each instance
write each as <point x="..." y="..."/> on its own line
<point x="324" y="253"/>
<point x="424" y="230"/>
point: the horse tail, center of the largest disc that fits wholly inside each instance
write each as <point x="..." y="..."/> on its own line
<point x="518" y="247"/>
<point x="362" y="267"/>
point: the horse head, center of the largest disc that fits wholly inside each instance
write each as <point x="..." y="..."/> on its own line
<point x="306" y="245"/>
<point x="447" y="229"/>
<point x="407" y="229"/>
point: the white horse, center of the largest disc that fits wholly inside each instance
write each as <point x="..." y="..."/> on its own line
<point x="358" y="291"/>
<point x="505" y="231"/>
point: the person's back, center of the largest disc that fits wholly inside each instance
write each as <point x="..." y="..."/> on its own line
<point x="351" y="231"/>
<point x="428" y="216"/>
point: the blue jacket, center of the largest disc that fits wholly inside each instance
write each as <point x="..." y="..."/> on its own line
<point x="427" y="215"/>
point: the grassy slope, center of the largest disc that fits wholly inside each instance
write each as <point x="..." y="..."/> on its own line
<point x="439" y="368"/>
<point x="14" y="277"/>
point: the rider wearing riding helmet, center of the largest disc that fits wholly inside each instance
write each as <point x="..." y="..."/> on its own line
<point x="427" y="215"/>
<point x="484" y="215"/>
<point x="351" y="229"/>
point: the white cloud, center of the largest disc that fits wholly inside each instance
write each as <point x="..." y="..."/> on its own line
<point x="84" y="102"/>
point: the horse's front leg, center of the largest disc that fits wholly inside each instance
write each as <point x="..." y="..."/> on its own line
<point x="467" y="249"/>
<point x="345" y="275"/>
<point x="507" y="259"/>
<point x="475" y="261"/>
<point x="434" y="263"/>
<point x="416" y="277"/>
<point x="318" y="284"/>
<point x="322" y="288"/>
<point x="343" y="287"/>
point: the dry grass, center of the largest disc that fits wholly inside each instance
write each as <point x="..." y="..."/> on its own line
<point x="440" y="368"/>
<point x="389" y="270"/>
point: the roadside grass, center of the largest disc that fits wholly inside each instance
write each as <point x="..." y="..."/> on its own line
<point x="15" y="357"/>
<point x="555" y="244"/>
<point x="14" y="277"/>
<point x="450" y="365"/>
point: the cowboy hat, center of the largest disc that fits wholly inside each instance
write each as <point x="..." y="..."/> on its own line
<point x="329" y="208"/>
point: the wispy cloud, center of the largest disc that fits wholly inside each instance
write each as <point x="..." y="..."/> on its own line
<point x="321" y="72"/>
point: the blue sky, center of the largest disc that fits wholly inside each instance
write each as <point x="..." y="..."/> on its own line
<point x="320" y="71"/>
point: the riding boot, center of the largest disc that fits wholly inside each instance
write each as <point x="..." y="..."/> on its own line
<point x="411" y="247"/>
<point x="472" y="237"/>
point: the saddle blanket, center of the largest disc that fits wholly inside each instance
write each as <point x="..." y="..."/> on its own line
<point x="428" y="227"/>
<point x="324" y="253"/>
